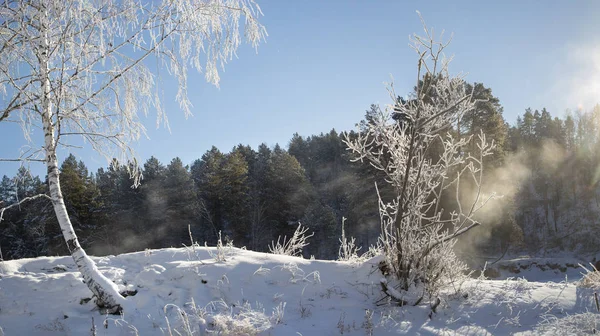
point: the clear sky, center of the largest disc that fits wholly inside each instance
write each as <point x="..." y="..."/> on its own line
<point x="325" y="62"/>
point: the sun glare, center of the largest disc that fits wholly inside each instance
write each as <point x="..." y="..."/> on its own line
<point x="585" y="82"/>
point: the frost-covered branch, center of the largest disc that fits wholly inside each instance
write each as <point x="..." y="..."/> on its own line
<point x="24" y="200"/>
<point x="21" y="160"/>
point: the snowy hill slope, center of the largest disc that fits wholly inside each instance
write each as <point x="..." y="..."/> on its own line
<point x="257" y="293"/>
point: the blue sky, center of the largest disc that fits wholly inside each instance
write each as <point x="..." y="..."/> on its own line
<point x="325" y="62"/>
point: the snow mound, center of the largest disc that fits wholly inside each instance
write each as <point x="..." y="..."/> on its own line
<point x="251" y="293"/>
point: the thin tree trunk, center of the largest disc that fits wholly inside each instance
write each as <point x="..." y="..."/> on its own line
<point x="106" y="292"/>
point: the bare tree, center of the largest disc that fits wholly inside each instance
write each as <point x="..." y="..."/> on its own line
<point x="81" y="69"/>
<point x="411" y="142"/>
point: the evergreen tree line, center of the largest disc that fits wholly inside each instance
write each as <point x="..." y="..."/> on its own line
<point x="254" y="196"/>
<point x="249" y="196"/>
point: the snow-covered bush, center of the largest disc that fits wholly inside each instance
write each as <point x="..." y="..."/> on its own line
<point x="413" y="143"/>
<point x="294" y="246"/>
<point x="572" y="324"/>
<point x="220" y="318"/>
<point x="591" y="277"/>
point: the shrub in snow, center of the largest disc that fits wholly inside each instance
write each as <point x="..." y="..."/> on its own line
<point x="223" y="250"/>
<point x="413" y="144"/>
<point x="220" y="318"/>
<point x="294" y="246"/>
<point x="576" y="324"/>
<point x="591" y="277"/>
<point x="348" y="250"/>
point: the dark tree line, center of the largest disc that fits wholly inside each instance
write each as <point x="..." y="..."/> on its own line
<point x="252" y="196"/>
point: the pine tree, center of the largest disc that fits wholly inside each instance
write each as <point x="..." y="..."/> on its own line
<point x="486" y="117"/>
<point x="527" y="127"/>
<point x="290" y="192"/>
<point x="205" y="173"/>
<point x="181" y="208"/>
<point x="235" y="202"/>
<point x="81" y="197"/>
<point x="120" y="208"/>
<point x="154" y="204"/>
<point x="569" y="129"/>
<point x="261" y="232"/>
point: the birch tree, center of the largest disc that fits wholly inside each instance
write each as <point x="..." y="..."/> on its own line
<point x="411" y="142"/>
<point x="83" y="69"/>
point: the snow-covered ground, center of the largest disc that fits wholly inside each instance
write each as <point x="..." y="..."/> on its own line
<point x="266" y="294"/>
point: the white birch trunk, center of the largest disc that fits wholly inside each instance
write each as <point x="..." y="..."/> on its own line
<point x="106" y="292"/>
